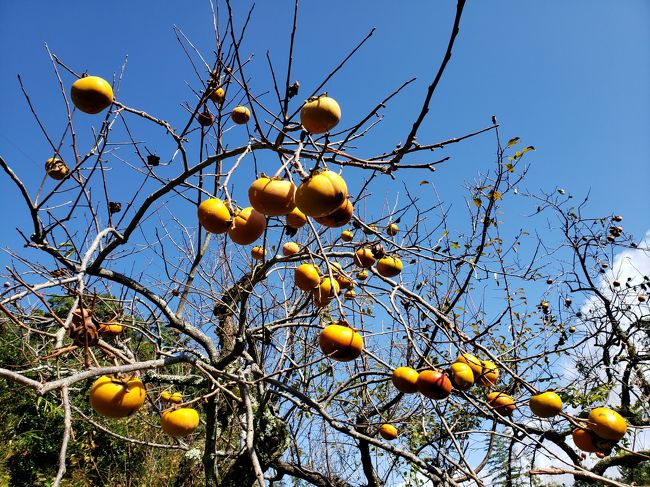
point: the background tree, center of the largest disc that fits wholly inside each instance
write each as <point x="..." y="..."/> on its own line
<point x="115" y="240"/>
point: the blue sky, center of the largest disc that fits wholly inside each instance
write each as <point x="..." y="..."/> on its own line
<point x="570" y="78"/>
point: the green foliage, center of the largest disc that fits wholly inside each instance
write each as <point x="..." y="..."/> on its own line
<point x="506" y="466"/>
<point x="639" y="474"/>
<point x="32" y="428"/>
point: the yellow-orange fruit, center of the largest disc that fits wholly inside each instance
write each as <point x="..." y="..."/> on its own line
<point x="218" y="96"/>
<point x="339" y="217"/>
<point x="258" y="252"/>
<point x="247" y="226"/>
<point x="115" y="398"/>
<point x="405" y="379"/>
<point x="347" y="236"/>
<point x="321" y="194"/>
<point x="296" y="219"/>
<point x="473" y="362"/>
<point x="307" y="277"/>
<point x="585" y="440"/>
<point x="271" y="196"/>
<point x="110" y="328"/>
<point x="91" y="94"/>
<point x="320" y="114"/>
<point x="607" y="423"/>
<point x="179" y="422"/>
<point x="502" y="403"/>
<point x="171" y="397"/>
<point x="363" y="257"/>
<point x="389" y="266"/>
<point x="340" y="343"/>
<point x="326" y="291"/>
<point x="214" y="216"/>
<point x="546" y="404"/>
<point x="392" y="229"/>
<point x="240" y="115"/>
<point x="462" y="376"/>
<point x="388" y="432"/>
<point x="56" y="168"/>
<point x="290" y="248"/>
<point x="489" y="373"/>
<point x="434" y="384"/>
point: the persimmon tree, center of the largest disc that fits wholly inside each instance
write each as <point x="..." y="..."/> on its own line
<point x="246" y="271"/>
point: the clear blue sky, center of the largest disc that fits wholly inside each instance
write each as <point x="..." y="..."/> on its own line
<point x="570" y="78"/>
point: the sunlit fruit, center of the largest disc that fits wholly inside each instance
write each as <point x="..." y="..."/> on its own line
<point x="362" y="275"/>
<point x="214" y="216"/>
<point x="389" y="266"/>
<point x="110" y="328"/>
<point x="607" y="423"/>
<point x="321" y="194"/>
<point x="572" y="329"/>
<point x="171" y="397"/>
<point x="434" y="384"/>
<point x="473" y="362"/>
<point x="272" y="196"/>
<point x="306" y="277"/>
<point x="641" y="298"/>
<point x="247" y="226"/>
<point x="339" y="274"/>
<point x="363" y="257"/>
<point x="296" y="219"/>
<point x="116" y="398"/>
<point x="56" y="168"/>
<point x="392" y="229"/>
<point x="462" y="376"/>
<point x="290" y="248"/>
<point x="91" y="94"/>
<point x="240" y="115"/>
<point x="339" y="217"/>
<point x="347" y="236"/>
<point x="218" y="96"/>
<point x="344" y="281"/>
<point x="501" y="403"/>
<point x="340" y="343"/>
<point x="584" y="439"/>
<point x="350" y="294"/>
<point x="545" y="405"/>
<point x="489" y="373"/>
<point x="326" y="290"/>
<point x="179" y="422"/>
<point x="318" y="115"/>
<point x="258" y="252"/>
<point x="388" y="432"/>
<point x="405" y="379"/>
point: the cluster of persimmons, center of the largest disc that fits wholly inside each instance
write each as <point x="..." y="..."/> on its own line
<point x="323" y="196"/>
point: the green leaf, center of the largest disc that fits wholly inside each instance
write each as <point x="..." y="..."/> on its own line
<point x="454" y="245"/>
<point x="513" y="141"/>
